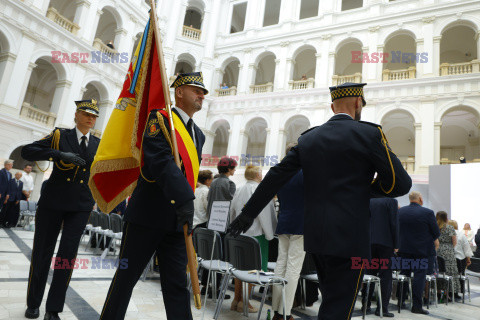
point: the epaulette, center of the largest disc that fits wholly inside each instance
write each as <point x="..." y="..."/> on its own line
<point x="371" y="124"/>
<point x="308" y="130"/>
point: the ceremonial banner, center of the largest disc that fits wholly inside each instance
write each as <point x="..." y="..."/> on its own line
<point x="116" y="166"/>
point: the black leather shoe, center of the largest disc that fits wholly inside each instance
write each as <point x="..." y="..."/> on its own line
<point x="386" y="314"/>
<point x="32" y="313"/>
<point x="51" y="316"/>
<point x="420" y="311"/>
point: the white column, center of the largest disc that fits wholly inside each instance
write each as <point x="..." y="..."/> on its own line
<point x="419" y="64"/>
<point x="287" y="14"/>
<point x="218" y="78"/>
<point x="290" y="63"/>
<point x="81" y="15"/>
<point x="418" y="145"/>
<point x="437" y="128"/>
<point x="173" y="23"/>
<point x="428" y="68"/>
<point x="271" y="146"/>
<point x="427" y="109"/>
<point x="105" y="108"/>
<point x="477" y="38"/>
<point x="89" y="34"/>
<point x="253" y="17"/>
<point x="436" y="55"/>
<point x="122" y="42"/>
<point x="318" y="71"/>
<point x="213" y="27"/>
<point x="21" y="73"/>
<point x="7" y="62"/>
<point x="365" y="67"/>
<point x="241" y="82"/>
<point x="372" y="67"/>
<point x="281" y="144"/>
<point x="235" y="137"/>
<point x="331" y="67"/>
<point x="251" y="74"/>
<point x="279" y="75"/>
<point x="67" y="108"/>
<point x="379" y="66"/>
<point x="209" y="139"/>
<point x="41" y="6"/>
<point x="60" y="102"/>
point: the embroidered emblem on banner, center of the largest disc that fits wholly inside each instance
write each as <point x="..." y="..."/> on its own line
<point x="153" y="128"/>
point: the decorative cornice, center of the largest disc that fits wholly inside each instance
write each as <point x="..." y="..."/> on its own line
<point x="427" y="20"/>
<point x="374" y="29"/>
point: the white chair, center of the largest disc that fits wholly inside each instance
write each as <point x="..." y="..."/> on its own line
<point x="444" y="276"/>
<point x="402" y="279"/>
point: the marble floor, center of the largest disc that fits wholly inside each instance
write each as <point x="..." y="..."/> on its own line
<point x="88" y="289"/>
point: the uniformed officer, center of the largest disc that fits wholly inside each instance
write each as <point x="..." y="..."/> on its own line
<point x="160" y="205"/>
<point x="339" y="160"/>
<point x="65" y="200"/>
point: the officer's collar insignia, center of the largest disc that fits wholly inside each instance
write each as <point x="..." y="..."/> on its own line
<point x="348" y="89"/>
<point x="89" y="106"/>
<point x="192" y="79"/>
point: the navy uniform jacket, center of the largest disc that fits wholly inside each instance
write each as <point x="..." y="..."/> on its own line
<point x="383" y="222"/>
<point x="5" y="177"/>
<point x="418" y="230"/>
<point x="153" y="203"/>
<point x="339" y="160"/>
<point x="290" y="197"/>
<point x="14" y="192"/>
<point x="66" y="190"/>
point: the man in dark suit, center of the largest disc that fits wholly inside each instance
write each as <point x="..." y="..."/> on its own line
<point x="418" y="229"/>
<point x="12" y="200"/>
<point x="339" y="160"/>
<point x="65" y="200"/>
<point x="384" y="241"/>
<point x="161" y="204"/>
<point x="5" y="177"/>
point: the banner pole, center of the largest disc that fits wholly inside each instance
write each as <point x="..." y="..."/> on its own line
<point x="192" y="259"/>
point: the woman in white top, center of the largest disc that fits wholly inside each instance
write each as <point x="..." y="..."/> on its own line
<point x="200" y="217"/>
<point x="262" y="229"/>
<point x="467" y="231"/>
<point x="463" y="253"/>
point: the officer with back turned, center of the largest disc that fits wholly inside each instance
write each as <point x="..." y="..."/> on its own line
<point x="65" y="200"/>
<point x="339" y="160"/>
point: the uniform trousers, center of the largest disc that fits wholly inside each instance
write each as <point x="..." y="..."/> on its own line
<point x="418" y="283"/>
<point x="339" y="285"/>
<point x="385" y="275"/>
<point x="289" y="264"/>
<point x="139" y="243"/>
<point x="47" y="227"/>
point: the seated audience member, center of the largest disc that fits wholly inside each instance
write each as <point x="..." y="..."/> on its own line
<point x="262" y="228"/>
<point x="205" y="178"/>
<point x="463" y="253"/>
<point x="448" y="241"/>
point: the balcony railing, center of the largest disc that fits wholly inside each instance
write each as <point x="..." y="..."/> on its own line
<point x="226" y="92"/>
<point x="301" y="84"/>
<point x="401" y="74"/>
<point x="63" y="22"/>
<point x="409" y="164"/>
<point x="261" y="88"/>
<point x="42" y="117"/>
<point x="448" y="69"/>
<point x="191" y="33"/>
<point x="102" y="47"/>
<point x="338" y="80"/>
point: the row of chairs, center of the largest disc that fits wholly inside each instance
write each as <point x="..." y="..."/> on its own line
<point x="241" y="259"/>
<point x="101" y="226"/>
<point x="28" y="210"/>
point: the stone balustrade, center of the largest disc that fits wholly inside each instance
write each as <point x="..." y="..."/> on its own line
<point x="56" y="17"/>
<point x="36" y="115"/>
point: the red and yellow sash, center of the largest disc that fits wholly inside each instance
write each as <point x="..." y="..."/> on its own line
<point x="186" y="149"/>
